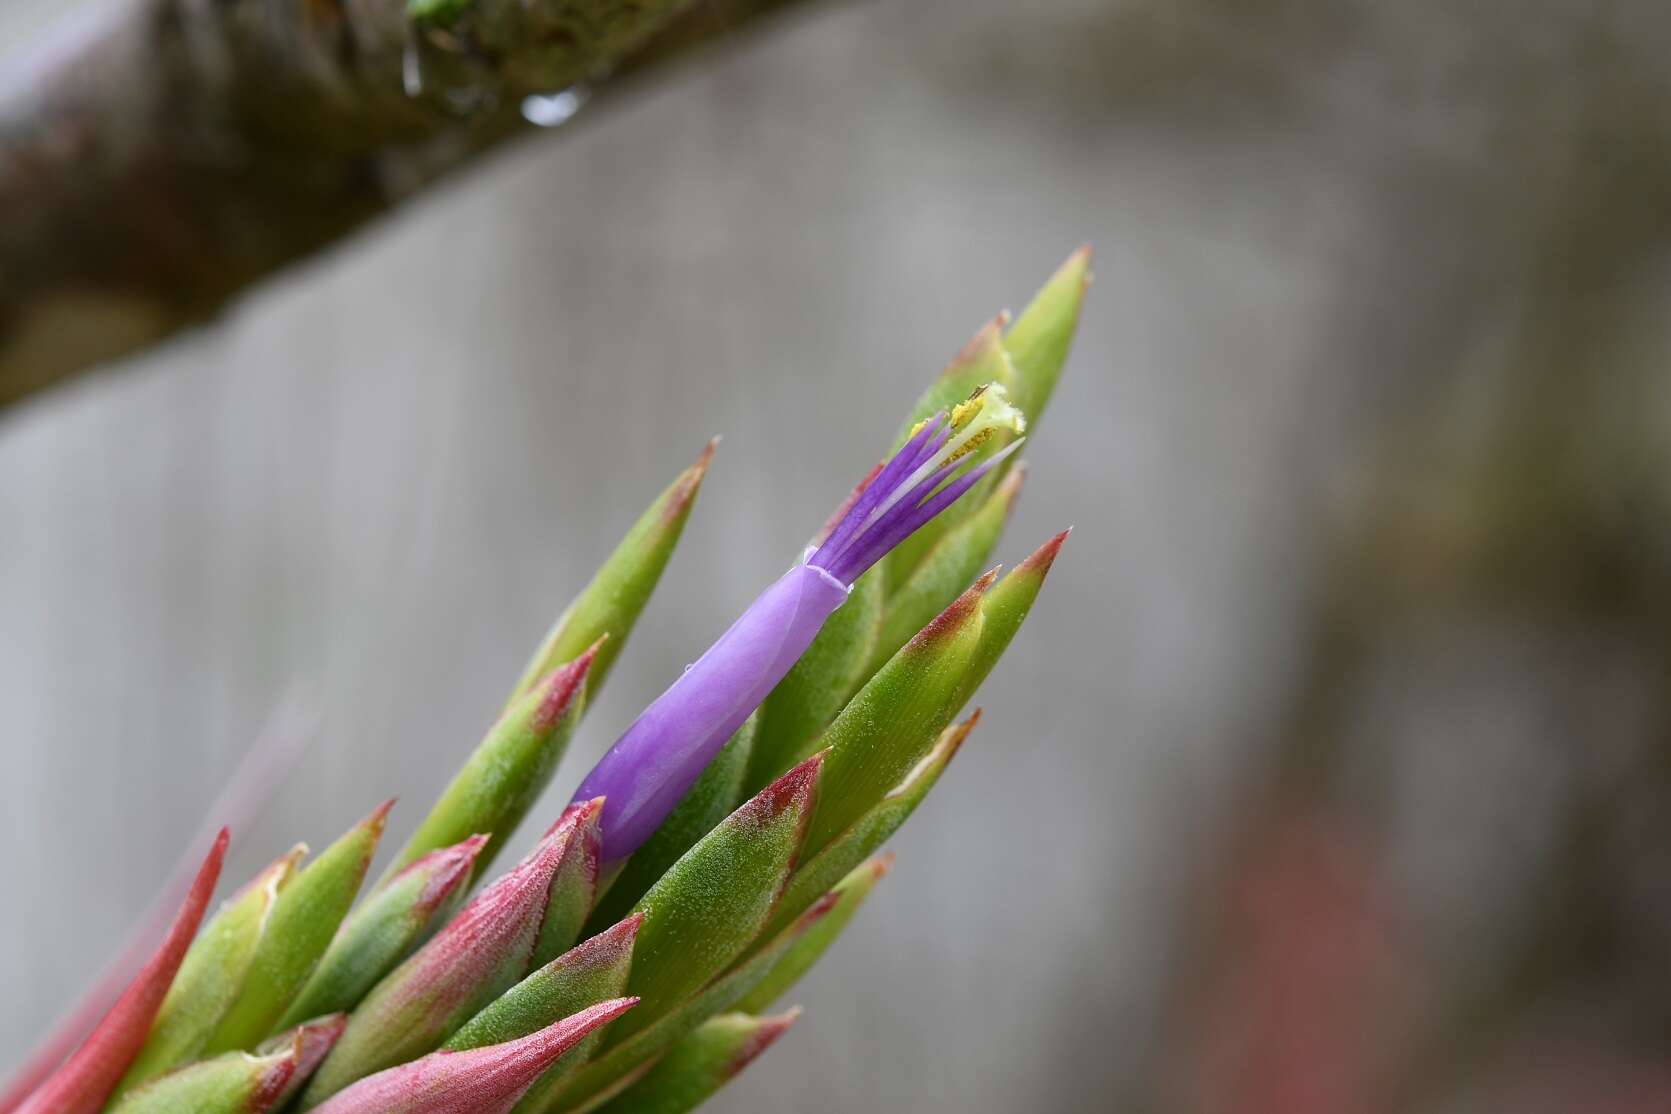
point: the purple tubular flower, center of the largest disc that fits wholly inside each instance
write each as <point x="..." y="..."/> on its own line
<point x="654" y="763"/>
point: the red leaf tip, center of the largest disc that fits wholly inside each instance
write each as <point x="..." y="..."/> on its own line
<point x="766" y="1032"/>
<point x="379" y="816"/>
<point x="86" y="1079"/>
<point x="793" y="789"/>
<point x="987" y="336"/>
<point x="689" y="482"/>
<point x="960" y="611"/>
<point x="1040" y="560"/>
<point x="562" y="685"/>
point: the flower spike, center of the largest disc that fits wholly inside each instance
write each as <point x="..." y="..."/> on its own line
<point x="658" y="758"/>
<point x="908" y="491"/>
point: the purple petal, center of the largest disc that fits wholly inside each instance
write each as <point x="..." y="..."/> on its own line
<point x="652" y="765"/>
<point x="924" y="444"/>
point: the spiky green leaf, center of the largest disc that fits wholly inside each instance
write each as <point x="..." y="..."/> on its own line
<point x="385" y="928"/>
<point x="711" y="799"/>
<point x="481" y="953"/>
<point x="820" y="873"/>
<point x="849" y="893"/>
<point x="621" y="1062"/>
<point x="608" y="607"/>
<point x="209" y="980"/>
<point x="713" y="901"/>
<point x="237" y="1082"/>
<point x="300" y="925"/>
<point x="700" y="1064"/>
<point x="589" y="973"/>
<point x="1038" y="342"/>
<point x="1004" y="609"/>
<point x="508" y="771"/>
<point x="893" y="721"/>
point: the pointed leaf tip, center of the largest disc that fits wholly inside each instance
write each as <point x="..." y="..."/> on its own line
<point x="564" y="685"/>
<point x="814" y="879"/>
<point x="766" y="1032"/>
<point x="82" y="1083"/>
<point x="505" y="774"/>
<point x="246" y="1083"/>
<point x="486" y="1080"/>
<point x="481" y="953"/>
<point x="693" y="928"/>
<point x="386" y="926"/>
<point x="315" y="1038"/>
<point x="978" y="349"/>
<point x="574" y="884"/>
<point x="701" y="1063"/>
<point x="793" y="790"/>
<point x="1040" y="560"/>
<point x="815" y="931"/>
<point x="958" y="614"/>
<point x="617" y="593"/>
<point x="689" y="482"/>
<point x="1039" y="340"/>
<point x="299" y="927"/>
<point x="211" y="976"/>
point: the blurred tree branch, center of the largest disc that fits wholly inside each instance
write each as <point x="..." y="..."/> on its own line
<point x="159" y="156"/>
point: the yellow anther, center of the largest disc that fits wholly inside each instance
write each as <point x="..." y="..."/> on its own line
<point x="969" y="446"/>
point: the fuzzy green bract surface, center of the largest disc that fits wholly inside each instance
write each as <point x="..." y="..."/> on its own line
<point x="717" y="852"/>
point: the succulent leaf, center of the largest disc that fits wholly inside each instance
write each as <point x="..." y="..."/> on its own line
<point x="584" y="975"/>
<point x="237" y="1082"/>
<point x="711" y="799"/>
<point x="587" y="974"/>
<point x="1038" y="342"/>
<point x="481" y="953"/>
<point x="1005" y="608"/>
<point x="385" y="929"/>
<point x="213" y="973"/>
<point x="486" y="1080"/>
<point x="608" y="607"/>
<point x="83" y="1082"/>
<point x="700" y="1064"/>
<point x="620" y="1063"/>
<point x="303" y="919"/>
<point x="573" y="889"/>
<point x="711" y="904"/>
<point x="807" y="949"/>
<point x="506" y="773"/>
<point x="823" y="871"/>
<point x="895" y="719"/>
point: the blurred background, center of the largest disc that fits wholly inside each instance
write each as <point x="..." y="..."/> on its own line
<point x="1344" y="715"/>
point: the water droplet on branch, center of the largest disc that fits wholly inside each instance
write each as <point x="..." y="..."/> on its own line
<point x="412" y="67"/>
<point x="553" y="110"/>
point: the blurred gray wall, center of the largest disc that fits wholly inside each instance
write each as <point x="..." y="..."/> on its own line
<point x="379" y="477"/>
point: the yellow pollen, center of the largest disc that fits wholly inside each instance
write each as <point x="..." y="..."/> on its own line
<point x="970" y="446"/>
<point x="964" y="412"/>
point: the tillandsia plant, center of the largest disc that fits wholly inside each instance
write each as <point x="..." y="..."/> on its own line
<point x="627" y="962"/>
